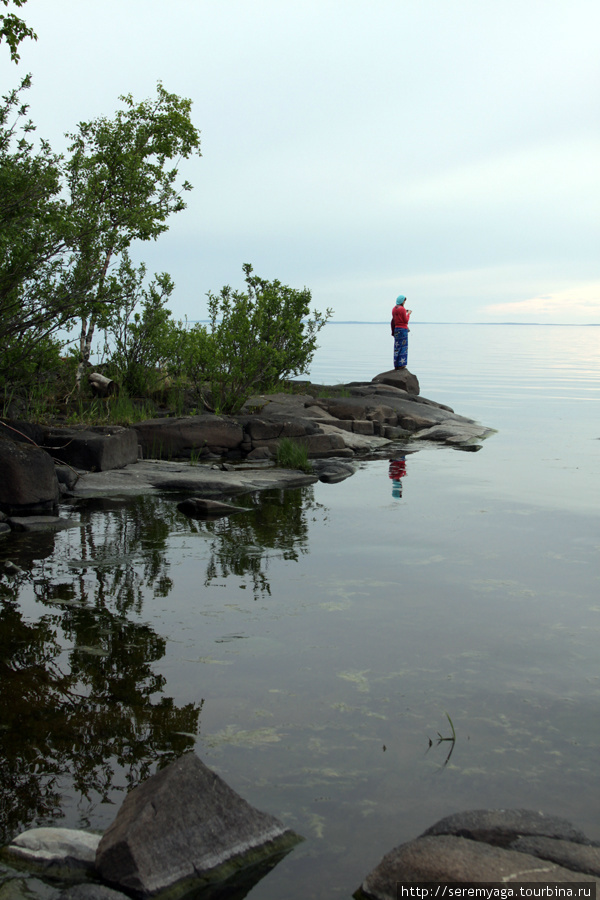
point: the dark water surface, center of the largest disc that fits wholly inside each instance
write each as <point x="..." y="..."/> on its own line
<point x="311" y="648"/>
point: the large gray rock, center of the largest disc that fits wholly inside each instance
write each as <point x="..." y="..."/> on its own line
<point x="503" y="826"/>
<point x="172" y="438"/>
<point x="201" y="480"/>
<point x="281" y="404"/>
<point x="511" y="846"/>
<point x="360" y="443"/>
<point x="273" y="429"/>
<point x="28" y="481"/>
<point x="96" y="449"/>
<point x="182" y="828"/>
<point x="569" y="854"/>
<point x="21" y="431"/>
<point x="326" y="444"/>
<point x="452" y="432"/>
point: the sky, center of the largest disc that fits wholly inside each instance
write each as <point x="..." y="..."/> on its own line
<point x="447" y="150"/>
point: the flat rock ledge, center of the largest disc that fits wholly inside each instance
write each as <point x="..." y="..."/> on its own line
<point x="512" y="846"/>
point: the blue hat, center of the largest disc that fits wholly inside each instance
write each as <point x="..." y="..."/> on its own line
<point x="400" y="300"/>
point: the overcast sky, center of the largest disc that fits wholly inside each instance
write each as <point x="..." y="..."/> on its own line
<point x="443" y="149"/>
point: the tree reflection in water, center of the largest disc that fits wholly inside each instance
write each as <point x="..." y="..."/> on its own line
<point x="243" y="545"/>
<point x="80" y="698"/>
<point x="82" y="705"/>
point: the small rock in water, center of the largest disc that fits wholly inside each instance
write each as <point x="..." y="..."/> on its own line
<point x="57" y="851"/>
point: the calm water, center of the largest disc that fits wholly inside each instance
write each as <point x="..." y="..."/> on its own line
<point x="311" y="648"/>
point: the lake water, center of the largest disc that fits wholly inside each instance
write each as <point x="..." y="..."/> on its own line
<point x="314" y="649"/>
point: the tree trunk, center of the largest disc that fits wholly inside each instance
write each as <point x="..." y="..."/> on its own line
<point x="88" y="326"/>
<point x="85" y="348"/>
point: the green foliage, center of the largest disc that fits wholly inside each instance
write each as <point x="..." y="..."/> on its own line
<point x="117" y="410"/>
<point x="35" y="295"/>
<point x="255" y="338"/>
<point x="190" y="353"/>
<point x="123" y="187"/>
<point x="292" y="455"/>
<point x="13" y="30"/>
<point x="139" y="330"/>
<point x="42" y="358"/>
<point x="64" y="223"/>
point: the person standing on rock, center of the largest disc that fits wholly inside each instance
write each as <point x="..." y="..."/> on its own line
<point x="400" y="329"/>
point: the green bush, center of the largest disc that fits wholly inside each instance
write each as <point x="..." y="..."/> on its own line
<point x="254" y="339"/>
<point x="139" y="332"/>
<point x="292" y="455"/>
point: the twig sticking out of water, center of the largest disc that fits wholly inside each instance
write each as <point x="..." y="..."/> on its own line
<point x="451" y="740"/>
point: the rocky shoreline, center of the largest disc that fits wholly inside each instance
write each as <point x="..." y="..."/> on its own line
<point x="186" y="833"/>
<point x="219" y="456"/>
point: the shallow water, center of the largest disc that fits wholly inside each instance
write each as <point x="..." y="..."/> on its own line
<point x="312" y="649"/>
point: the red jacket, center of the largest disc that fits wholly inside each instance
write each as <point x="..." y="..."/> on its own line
<point x="400" y="317"/>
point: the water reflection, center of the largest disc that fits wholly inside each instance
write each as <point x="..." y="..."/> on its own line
<point x="82" y="708"/>
<point x="244" y="545"/>
<point x="397" y="471"/>
<point x="81" y="698"/>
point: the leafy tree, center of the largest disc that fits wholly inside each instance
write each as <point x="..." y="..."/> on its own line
<point x="140" y="328"/>
<point x="122" y="175"/>
<point x="13" y="30"/>
<point x="189" y="355"/>
<point x="36" y="293"/>
<point x="257" y="338"/>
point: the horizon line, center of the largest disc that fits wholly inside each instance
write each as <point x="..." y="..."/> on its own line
<point x="542" y="324"/>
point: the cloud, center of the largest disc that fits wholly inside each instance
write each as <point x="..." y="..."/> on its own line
<point x="577" y="304"/>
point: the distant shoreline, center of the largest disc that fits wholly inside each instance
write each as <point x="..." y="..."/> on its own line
<point x="418" y="322"/>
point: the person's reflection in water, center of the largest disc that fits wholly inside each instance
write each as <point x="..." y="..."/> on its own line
<point x="397" y="471"/>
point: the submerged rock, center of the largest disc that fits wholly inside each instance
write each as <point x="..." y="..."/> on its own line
<point x="183" y="828"/>
<point x="331" y="471"/>
<point x="41" y="523"/>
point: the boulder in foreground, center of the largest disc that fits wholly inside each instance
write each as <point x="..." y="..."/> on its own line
<point x="28" y="480"/>
<point x="183" y="828"/>
<point x="513" y="846"/>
